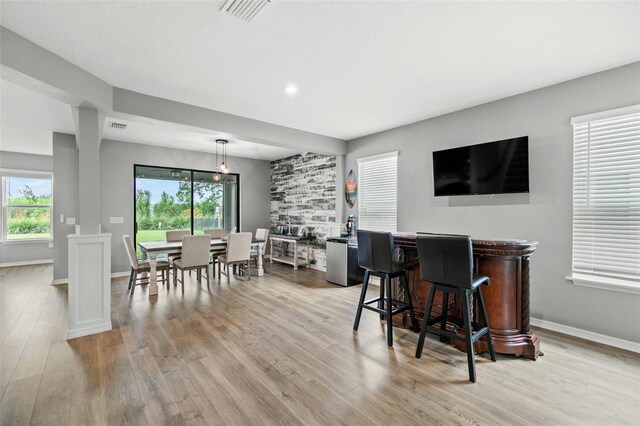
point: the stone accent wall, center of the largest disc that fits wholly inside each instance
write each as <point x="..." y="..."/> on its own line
<point x="303" y="193"/>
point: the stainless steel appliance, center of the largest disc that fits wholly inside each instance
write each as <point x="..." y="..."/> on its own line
<point x="342" y="261"/>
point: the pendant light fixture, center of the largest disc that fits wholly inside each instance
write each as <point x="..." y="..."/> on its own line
<point x="221" y="166"/>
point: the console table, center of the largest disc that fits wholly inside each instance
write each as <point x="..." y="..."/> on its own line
<point x="506" y="263"/>
<point x="295" y="241"/>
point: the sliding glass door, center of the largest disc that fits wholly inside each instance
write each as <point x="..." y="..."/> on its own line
<point x="182" y="199"/>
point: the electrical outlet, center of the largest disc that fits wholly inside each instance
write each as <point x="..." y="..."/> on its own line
<point x="50" y="245"/>
<point x="116" y="220"/>
<point x="71" y="221"/>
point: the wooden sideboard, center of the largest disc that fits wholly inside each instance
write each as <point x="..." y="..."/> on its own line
<point x="506" y="263"/>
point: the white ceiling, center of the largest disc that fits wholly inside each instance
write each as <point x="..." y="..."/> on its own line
<point x="360" y="67"/>
<point x="28" y="119"/>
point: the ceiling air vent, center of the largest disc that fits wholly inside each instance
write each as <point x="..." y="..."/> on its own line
<point x="120" y="126"/>
<point x="244" y="10"/>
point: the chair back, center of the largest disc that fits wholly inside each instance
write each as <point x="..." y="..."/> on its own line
<point x="239" y="246"/>
<point x="195" y="250"/>
<point x="216" y="234"/>
<point x="175" y="236"/>
<point x="375" y="251"/>
<point x="262" y="234"/>
<point x="446" y="259"/>
<point x="131" y="251"/>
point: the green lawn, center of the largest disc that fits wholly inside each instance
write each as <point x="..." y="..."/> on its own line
<point x="156" y="235"/>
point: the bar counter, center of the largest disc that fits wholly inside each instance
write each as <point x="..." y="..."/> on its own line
<point x="506" y="263"/>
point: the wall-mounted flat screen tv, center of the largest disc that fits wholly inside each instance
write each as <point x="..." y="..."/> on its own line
<point x="500" y="167"/>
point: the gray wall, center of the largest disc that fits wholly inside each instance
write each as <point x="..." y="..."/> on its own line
<point x="65" y="199"/>
<point x="24" y="251"/>
<point x="545" y="215"/>
<point x="116" y="170"/>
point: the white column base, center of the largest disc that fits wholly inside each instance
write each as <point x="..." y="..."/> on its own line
<point x="89" y="284"/>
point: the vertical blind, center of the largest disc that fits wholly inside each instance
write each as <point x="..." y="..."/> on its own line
<point x="378" y="192"/>
<point x="606" y="194"/>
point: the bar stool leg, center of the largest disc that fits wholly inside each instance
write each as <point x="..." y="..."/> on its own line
<point x="485" y="320"/>
<point x="389" y="309"/>
<point x="381" y="301"/>
<point x="445" y="311"/>
<point x="363" y="294"/>
<point x="425" y="321"/>
<point x="468" y="332"/>
<point x="412" y="314"/>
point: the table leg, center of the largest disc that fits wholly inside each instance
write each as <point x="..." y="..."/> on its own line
<point x="271" y="258"/>
<point x="295" y="255"/>
<point x="308" y="255"/>
<point x="259" y="261"/>
<point x="153" y="275"/>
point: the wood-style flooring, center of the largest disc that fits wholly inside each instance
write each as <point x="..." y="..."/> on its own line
<point x="280" y="350"/>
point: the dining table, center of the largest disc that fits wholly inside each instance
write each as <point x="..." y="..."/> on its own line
<point x="153" y="248"/>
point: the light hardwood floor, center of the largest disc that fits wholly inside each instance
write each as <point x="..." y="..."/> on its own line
<point x="280" y="349"/>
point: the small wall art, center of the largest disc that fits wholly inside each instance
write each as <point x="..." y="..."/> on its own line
<point x="351" y="189"/>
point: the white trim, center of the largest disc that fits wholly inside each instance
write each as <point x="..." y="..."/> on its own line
<point x="392" y="154"/>
<point x="28" y="172"/>
<point x="85" y="331"/>
<point x="605" y="114"/>
<point x="27" y="240"/>
<point x="25" y="263"/>
<point x="587" y="335"/>
<point x="602" y="283"/>
<point x="113" y="275"/>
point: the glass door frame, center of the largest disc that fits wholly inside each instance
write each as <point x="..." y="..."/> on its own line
<point x="191" y="172"/>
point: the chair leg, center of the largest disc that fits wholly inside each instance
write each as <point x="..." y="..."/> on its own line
<point x="182" y="279"/>
<point x="412" y="313"/>
<point x="485" y="320"/>
<point x="468" y="332"/>
<point x="219" y="270"/>
<point x="133" y="282"/>
<point x="133" y="271"/>
<point x="363" y="294"/>
<point x="248" y="270"/>
<point x="388" y="315"/>
<point x="445" y="311"/>
<point x="175" y="276"/>
<point x="425" y="321"/>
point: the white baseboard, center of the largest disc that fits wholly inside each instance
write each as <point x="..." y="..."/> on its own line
<point x="85" y="331"/>
<point x="587" y="335"/>
<point x="113" y="275"/>
<point x="26" y="263"/>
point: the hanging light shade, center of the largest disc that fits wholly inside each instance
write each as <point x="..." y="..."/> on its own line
<point x="221" y="154"/>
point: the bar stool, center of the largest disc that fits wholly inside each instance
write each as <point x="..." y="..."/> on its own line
<point x="447" y="262"/>
<point x="375" y="255"/>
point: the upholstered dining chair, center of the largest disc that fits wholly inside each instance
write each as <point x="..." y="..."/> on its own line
<point x="173" y="237"/>
<point x="261" y="234"/>
<point x="216" y="234"/>
<point x="238" y="253"/>
<point x="195" y="255"/>
<point x="139" y="266"/>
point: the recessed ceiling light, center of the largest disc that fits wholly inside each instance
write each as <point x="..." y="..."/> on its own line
<point x="291" y="89"/>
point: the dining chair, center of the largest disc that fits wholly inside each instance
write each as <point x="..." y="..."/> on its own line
<point x="139" y="266"/>
<point x="216" y="234"/>
<point x="238" y="253"/>
<point x="261" y="234"/>
<point x="195" y="255"/>
<point x="173" y="237"/>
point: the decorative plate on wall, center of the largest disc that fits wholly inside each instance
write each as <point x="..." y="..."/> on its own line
<point x="351" y="189"/>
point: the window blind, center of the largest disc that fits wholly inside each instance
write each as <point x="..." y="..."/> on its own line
<point x="606" y="195"/>
<point x="378" y="192"/>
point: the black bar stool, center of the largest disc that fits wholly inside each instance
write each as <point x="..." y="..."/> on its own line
<point x="447" y="262"/>
<point x="375" y="255"/>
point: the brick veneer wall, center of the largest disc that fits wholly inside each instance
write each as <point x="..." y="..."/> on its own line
<point x="303" y="192"/>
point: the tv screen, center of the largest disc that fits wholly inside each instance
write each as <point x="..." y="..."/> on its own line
<point x="500" y="167"/>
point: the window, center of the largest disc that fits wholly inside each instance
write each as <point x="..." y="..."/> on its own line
<point x="26" y="205"/>
<point x="182" y="199"/>
<point x="378" y="192"/>
<point x="606" y="199"/>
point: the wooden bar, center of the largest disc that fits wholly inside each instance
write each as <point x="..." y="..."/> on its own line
<point x="506" y="263"/>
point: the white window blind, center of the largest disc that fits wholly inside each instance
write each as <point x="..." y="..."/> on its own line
<point x="378" y="192"/>
<point x="606" y="195"/>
